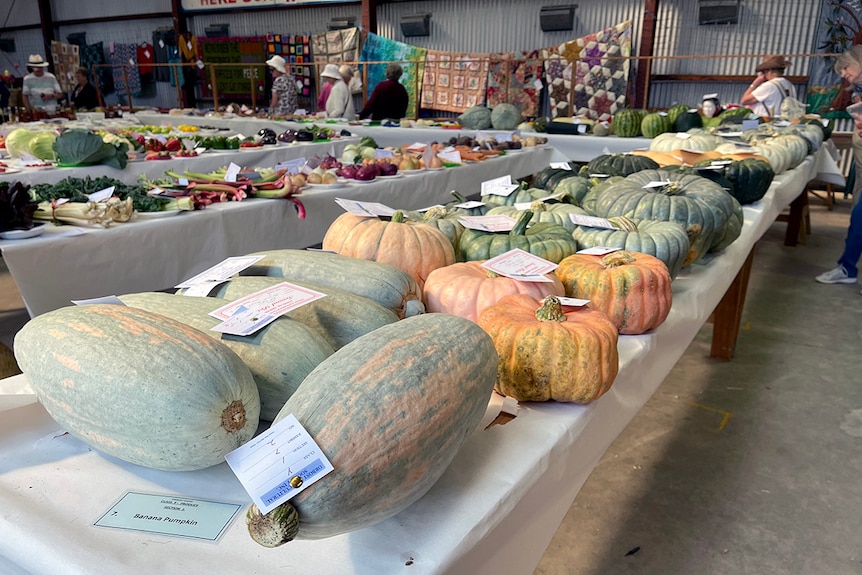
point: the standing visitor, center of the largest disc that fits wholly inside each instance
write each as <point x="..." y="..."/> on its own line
<point x="40" y="91"/>
<point x="388" y="99"/>
<point x="849" y="67"/>
<point x="769" y="88"/>
<point x="284" y="99"/>
<point x="84" y="97"/>
<point x="339" y="104"/>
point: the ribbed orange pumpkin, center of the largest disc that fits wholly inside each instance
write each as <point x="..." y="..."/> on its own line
<point x="632" y="288"/>
<point x="545" y="354"/>
<point x="465" y="289"/>
<point x="412" y="247"/>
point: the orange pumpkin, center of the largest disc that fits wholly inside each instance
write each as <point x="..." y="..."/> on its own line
<point x="412" y="247"/>
<point x="465" y="289"/>
<point x="632" y="288"/>
<point x="545" y="354"/>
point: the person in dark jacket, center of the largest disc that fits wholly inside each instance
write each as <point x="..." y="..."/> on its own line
<point x="85" y="96"/>
<point x="389" y="98"/>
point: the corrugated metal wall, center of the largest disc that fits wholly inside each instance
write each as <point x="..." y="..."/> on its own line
<point x="501" y="25"/>
<point x="765" y="27"/>
<point x="310" y="20"/>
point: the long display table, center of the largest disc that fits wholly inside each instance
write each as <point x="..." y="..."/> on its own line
<point x="156" y="254"/>
<point x="493" y="511"/>
<point x="265" y="156"/>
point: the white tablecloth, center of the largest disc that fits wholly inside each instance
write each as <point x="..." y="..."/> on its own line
<point x="265" y="156"/>
<point x="493" y="511"/>
<point x="157" y="254"/>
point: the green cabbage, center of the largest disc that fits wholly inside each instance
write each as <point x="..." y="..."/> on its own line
<point x="85" y="148"/>
<point x="505" y="117"/>
<point x="476" y="118"/>
<point x="42" y="146"/>
<point x="18" y="142"/>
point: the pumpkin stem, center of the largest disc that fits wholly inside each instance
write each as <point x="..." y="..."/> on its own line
<point x="624" y="223"/>
<point x="693" y="231"/>
<point x="275" y="528"/>
<point x="458" y="197"/>
<point x="551" y="310"/>
<point x="670" y="189"/>
<point x="398" y="217"/>
<point x="521" y="225"/>
<point x="538" y="206"/>
<point x="491" y="274"/>
<point x="435" y="213"/>
<point x="617" y="259"/>
<point x="233" y="417"/>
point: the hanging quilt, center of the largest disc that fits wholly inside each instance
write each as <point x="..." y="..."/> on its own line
<point x="516" y="78"/>
<point x="338" y="46"/>
<point x="412" y="59"/>
<point x="123" y="56"/>
<point x="582" y="76"/>
<point x="454" y="82"/>
<point x="66" y="61"/>
<point x="93" y="55"/>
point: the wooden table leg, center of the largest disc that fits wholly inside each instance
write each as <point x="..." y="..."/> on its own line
<point x="728" y="314"/>
<point x="791" y="235"/>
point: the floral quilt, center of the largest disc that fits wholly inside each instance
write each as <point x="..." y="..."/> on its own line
<point x="516" y="78"/>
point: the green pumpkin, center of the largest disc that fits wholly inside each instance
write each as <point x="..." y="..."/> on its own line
<point x="522" y="195"/>
<point x="668" y="241"/>
<point x="544" y="212"/>
<point x="620" y="164"/>
<point x="573" y="189"/>
<point x="588" y="202"/>
<point x="686" y="199"/>
<point x="747" y="180"/>
<point x="546" y="240"/>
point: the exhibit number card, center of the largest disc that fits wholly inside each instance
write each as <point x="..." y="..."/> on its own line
<point x="364" y="209"/>
<point x="278" y="464"/>
<point x="232" y="172"/>
<point x="254" y="311"/>
<point x="292" y="166"/>
<point x="573" y="301"/>
<point x="560" y="166"/>
<point x="222" y="271"/>
<point x="598" y="251"/>
<point x="170" y="515"/>
<point x="501" y="186"/>
<point x="591" y="221"/>
<point x="470" y="204"/>
<point x="498" y="223"/>
<point x="101" y="195"/>
<point x="453" y="157"/>
<point x="520" y="265"/>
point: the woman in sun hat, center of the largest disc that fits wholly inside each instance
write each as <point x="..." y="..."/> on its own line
<point x="40" y="89"/>
<point x="284" y="98"/>
<point x="339" y="104"/>
<point x="769" y="88"/>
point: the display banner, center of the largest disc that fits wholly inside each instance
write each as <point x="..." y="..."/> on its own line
<point x="199" y="5"/>
<point x="233" y="81"/>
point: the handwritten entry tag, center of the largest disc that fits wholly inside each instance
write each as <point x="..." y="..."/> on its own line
<point x="278" y="464"/>
<point x="222" y="271"/>
<point x="101" y="195"/>
<point x="591" y="221"/>
<point x="275" y="300"/>
<point x="232" y="172"/>
<point x="497" y="223"/>
<point x="520" y="265"/>
<point x="364" y="209"/>
<point x="598" y="251"/>
<point x="453" y="157"/>
<point x="573" y="301"/>
<point x="501" y="186"/>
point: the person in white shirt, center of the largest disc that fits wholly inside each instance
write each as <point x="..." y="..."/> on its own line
<point x="40" y="88"/>
<point x="339" y="104"/>
<point x="769" y="88"/>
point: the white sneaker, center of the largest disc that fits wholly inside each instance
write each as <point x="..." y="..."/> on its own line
<point x="836" y="276"/>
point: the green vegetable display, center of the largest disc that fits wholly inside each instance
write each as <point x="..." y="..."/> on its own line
<point x="78" y="190"/>
<point x="84" y="148"/>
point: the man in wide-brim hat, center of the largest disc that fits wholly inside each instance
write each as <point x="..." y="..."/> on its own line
<point x="769" y="88"/>
<point x="40" y="88"/>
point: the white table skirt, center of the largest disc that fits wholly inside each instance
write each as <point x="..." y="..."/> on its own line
<point x="156" y="254"/>
<point x="493" y="511"/>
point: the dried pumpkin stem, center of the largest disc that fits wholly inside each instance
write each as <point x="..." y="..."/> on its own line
<point x="275" y="528"/>
<point x="623" y="223"/>
<point x="398" y="217"/>
<point x="233" y="417"/>
<point x="435" y="213"/>
<point x="617" y="259"/>
<point x="670" y="189"/>
<point x="551" y="310"/>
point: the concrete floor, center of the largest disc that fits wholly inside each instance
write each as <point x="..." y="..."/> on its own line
<point x="777" y="489"/>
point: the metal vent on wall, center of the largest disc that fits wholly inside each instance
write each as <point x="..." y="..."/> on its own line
<point x="718" y="12"/>
<point x="416" y="25"/>
<point x="557" y="18"/>
<point x="341" y="23"/>
<point x="217" y="30"/>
